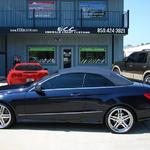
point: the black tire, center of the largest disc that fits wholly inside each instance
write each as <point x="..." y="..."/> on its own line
<point x="147" y="79"/>
<point x="7" y="117"/>
<point x="116" y="70"/>
<point x="120" y="120"/>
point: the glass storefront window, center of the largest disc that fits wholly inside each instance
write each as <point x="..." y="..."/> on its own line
<point x="42" y="55"/>
<point x="92" y="55"/>
<point x="92" y="9"/>
<point x="43" y="9"/>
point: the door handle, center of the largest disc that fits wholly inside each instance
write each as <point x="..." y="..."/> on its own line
<point x="144" y="66"/>
<point x="75" y="94"/>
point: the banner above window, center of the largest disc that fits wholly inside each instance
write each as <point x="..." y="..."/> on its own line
<point x="42" y="9"/>
<point x="93" y="9"/>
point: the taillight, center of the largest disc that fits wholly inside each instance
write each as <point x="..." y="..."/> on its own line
<point x="16" y="75"/>
<point x="147" y="95"/>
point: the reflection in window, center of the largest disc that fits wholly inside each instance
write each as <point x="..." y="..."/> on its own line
<point x="72" y="80"/>
<point x="92" y="55"/>
<point x="42" y="55"/>
<point x="43" y="9"/>
<point x="92" y="9"/>
<point x="94" y="80"/>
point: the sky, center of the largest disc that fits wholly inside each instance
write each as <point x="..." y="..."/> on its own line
<point x="139" y="30"/>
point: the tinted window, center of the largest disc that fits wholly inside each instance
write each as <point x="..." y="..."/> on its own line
<point x="133" y="57"/>
<point x="94" y="80"/>
<point x="142" y="58"/>
<point x="28" y="68"/>
<point x="64" y="81"/>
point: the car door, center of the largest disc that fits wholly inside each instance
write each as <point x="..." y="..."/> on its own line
<point x="129" y="65"/>
<point x="140" y="66"/>
<point x="97" y="91"/>
<point x="60" y="99"/>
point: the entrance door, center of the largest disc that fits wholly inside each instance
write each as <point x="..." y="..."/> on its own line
<point x="66" y="58"/>
<point x="67" y="14"/>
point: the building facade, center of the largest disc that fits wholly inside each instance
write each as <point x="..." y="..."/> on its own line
<point x="62" y="34"/>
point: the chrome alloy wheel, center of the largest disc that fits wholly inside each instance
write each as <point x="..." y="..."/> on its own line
<point x="120" y="120"/>
<point x="5" y="116"/>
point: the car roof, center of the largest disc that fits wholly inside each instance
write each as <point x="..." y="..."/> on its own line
<point x="107" y="73"/>
<point x="94" y="70"/>
<point x="20" y="64"/>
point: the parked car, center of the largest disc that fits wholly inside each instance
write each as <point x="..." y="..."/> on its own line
<point x="136" y="66"/>
<point x="26" y="72"/>
<point x="77" y="95"/>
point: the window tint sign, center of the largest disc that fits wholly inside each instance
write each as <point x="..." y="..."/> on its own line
<point x="92" y="9"/>
<point x="43" y="9"/>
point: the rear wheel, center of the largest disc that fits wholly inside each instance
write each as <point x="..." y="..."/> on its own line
<point x="6" y="116"/>
<point x="120" y="120"/>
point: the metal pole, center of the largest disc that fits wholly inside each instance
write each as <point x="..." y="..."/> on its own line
<point x="128" y="18"/>
<point x="33" y="18"/>
<point x="113" y="49"/>
<point x="6" y="57"/>
<point x="81" y="17"/>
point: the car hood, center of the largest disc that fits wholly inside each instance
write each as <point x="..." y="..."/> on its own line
<point x="12" y="89"/>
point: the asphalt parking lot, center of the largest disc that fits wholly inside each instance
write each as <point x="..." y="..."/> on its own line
<point x="73" y="137"/>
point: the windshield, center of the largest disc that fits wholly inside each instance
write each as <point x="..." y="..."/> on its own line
<point x="28" y="68"/>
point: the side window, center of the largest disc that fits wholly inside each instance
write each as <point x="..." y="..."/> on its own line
<point x="142" y="58"/>
<point x="72" y="80"/>
<point x="133" y="58"/>
<point x="94" y="80"/>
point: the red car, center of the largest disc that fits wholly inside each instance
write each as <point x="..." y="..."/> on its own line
<point x="26" y="72"/>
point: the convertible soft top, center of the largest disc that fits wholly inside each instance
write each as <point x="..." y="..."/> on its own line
<point x="107" y="73"/>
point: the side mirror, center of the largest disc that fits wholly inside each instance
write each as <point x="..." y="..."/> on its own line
<point x="38" y="89"/>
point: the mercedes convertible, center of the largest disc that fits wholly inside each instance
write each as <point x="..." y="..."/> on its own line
<point x="77" y="95"/>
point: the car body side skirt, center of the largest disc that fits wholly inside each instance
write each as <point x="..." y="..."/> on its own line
<point x="93" y="117"/>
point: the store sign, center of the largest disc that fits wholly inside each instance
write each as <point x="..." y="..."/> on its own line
<point x="67" y="30"/>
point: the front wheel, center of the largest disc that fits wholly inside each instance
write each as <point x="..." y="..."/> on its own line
<point x="147" y="79"/>
<point x="119" y="120"/>
<point x="116" y="70"/>
<point x="6" y="116"/>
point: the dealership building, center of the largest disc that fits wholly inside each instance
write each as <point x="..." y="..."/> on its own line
<point x="62" y="33"/>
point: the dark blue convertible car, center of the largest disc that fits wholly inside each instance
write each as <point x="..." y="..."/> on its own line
<point x="77" y="95"/>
